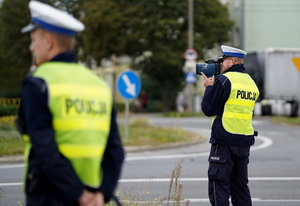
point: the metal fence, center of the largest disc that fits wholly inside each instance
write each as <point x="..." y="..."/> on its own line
<point x="10" y="101"/>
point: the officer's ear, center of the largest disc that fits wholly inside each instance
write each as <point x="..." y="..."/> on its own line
<point x="238" y="60"/>
<point x="234" y="61"/>
<point x="49" y="38"/>
<point x="231" y="60"/>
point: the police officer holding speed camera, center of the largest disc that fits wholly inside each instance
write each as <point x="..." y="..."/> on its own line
<point x="74" y="152"/>
<point x="230" y="99"/>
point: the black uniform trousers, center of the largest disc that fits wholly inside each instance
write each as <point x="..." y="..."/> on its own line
<point x="228" y="175"/>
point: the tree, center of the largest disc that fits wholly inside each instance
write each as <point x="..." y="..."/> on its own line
<point x="160" y="26"/>
<point x="15" y="56"/>
<point x="130" y="27"/>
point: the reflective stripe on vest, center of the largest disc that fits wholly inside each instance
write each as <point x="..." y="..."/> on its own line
<point x="238" y="110"/>
<point x="81" y="104"/>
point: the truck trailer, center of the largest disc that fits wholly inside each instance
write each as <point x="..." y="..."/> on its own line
<point x="276" y="72"/>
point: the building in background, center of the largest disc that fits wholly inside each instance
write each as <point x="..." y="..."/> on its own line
<point x="269" y="31"/>
<point x="261" y="24"/>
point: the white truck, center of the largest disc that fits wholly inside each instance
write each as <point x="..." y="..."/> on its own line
<point x="276" y="72"/>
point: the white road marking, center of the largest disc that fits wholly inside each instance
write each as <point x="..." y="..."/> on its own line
<point x="166" y="156"/>
<point x="12" y="166"/>
<point x="257" y="122"/>
<point x="266" y="142"/>
<point x="253" y="200"/>
<point x="201" y="179"/>
<point x="205" y="179"/>
<point x="192" y="200"/>
<point x="11" y="184"/>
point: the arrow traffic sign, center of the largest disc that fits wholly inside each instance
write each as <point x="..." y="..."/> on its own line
<point x="128" y="85"/>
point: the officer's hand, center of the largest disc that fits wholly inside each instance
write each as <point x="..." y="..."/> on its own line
<point x="97" y="200"/>
<point x="208" y="81"/>
<point x="85" y="198"/>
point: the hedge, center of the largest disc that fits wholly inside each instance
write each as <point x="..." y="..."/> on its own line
<point x="8" y="110"/>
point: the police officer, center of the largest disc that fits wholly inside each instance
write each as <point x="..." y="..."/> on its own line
<point x="74" y="153"/>
<point x="230" y="99"/>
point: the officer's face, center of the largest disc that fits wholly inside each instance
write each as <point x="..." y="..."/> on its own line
<point x="39" y="46"/>
<point x="227" y="62"/>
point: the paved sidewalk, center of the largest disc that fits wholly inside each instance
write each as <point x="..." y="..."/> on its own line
<point x="12" y="158"/>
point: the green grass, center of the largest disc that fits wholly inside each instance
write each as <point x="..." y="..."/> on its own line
<point x="11" y="142"/>
<point x="11" y="146"/>
<point x="184" y="114"/>
<point x="287" y="120"/>
<point x="141" y="133"/>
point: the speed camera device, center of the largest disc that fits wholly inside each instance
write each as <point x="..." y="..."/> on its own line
<point x="210" y="67"/>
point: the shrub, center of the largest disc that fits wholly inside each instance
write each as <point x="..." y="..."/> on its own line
<point x="11" y="93"/>
<point x="8" y="110"/>
<point x="155" y="106"/>
<point x="7" y="123"/>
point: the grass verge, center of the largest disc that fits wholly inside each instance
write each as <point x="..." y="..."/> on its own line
<point x="287" y="120"/>
<point x="141" y="133"/>
<point x="184" y="114"/>
<point x="11" y="142"/>
<point x="13" y="146"/>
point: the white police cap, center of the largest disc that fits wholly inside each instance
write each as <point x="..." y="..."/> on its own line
<point x="52" y="19"/>
<point x="233" y="52"/>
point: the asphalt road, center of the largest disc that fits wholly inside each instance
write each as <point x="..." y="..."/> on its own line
<point x="274" y="169"/>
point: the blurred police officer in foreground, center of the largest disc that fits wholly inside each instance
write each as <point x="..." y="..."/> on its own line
<point x="230" y="98"/>
<point x="74" y="152"/>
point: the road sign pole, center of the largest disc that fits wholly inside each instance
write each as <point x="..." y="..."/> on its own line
<point x="189" y="90"/>
<point x="191" y="24"/>
<point x="126" y="119"/>
<point x="129" y="87"/>
<point x="189" y="87"/>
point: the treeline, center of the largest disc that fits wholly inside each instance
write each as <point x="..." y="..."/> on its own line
<point x="120" y="27"/>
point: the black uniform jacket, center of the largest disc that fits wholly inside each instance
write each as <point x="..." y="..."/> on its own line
<point x="50" y="174"/>
<point x="213" y="103"/>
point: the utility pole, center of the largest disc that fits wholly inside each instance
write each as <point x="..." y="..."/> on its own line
<point x="189" y="86"/>
<point x="191" y="24"/>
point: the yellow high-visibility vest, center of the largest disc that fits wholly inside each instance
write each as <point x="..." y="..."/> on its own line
<point x="238" y="110"/>
<point x="81" y="104"/>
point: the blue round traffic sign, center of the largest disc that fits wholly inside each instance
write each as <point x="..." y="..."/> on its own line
<point x="129" y="85"/>
<point x="190" y="77"/>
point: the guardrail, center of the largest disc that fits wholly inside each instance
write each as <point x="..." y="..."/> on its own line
<point x="9" y="101"/>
